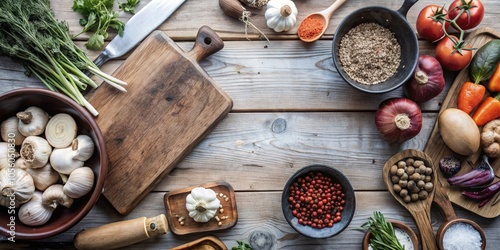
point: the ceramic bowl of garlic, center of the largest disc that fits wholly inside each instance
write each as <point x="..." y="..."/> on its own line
<point x="53" y="163"/>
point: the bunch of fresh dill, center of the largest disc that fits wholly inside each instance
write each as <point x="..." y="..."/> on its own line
<point x="31" y="35"/>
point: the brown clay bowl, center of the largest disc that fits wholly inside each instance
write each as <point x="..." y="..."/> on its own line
<point x="395" y="224"/>
<point x="420" y="209"/>
<point x="63" y="218"/>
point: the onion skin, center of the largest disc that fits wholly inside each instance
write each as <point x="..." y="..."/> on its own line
<point x="427" y="81"/>
<point x="398" y="119"/>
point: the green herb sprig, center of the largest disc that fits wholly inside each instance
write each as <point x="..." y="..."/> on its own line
<point x="383" y="236"/>
<point x="242" y="246"/>
<point x="32" y="36"/>
<point x="129" y="6"/>
<point x="97" y="17"/>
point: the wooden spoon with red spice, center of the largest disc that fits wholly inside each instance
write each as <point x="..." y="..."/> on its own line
<point x="314" y="25"/>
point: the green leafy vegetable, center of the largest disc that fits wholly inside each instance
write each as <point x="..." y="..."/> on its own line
<point x="242" y="246"/>
<point x="129" y="6"/>
<point x="485" y="61"/>
<point x="383" y="236"/>
<point x="32" y="36"/>
<point x="97" y="17"/>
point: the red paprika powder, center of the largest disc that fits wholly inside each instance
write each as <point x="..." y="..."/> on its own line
<point x="310" y="28"/>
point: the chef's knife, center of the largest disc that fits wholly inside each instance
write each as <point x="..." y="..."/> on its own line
<point x="138" y="27"/>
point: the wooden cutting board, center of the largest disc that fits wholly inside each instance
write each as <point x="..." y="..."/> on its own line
<point x="170" y="106"/>
<point x="436" y="148"/>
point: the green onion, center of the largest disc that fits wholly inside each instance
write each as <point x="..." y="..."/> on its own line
<point x="31" y="35"/>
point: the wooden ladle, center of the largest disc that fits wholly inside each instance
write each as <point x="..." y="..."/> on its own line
<point x="323" y="17"/>
<point x="420" y="210"/>
<point x="443" y="202"/>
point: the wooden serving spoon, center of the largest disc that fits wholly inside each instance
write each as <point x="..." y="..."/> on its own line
<point x="323" y="17"/>
<point x="442" y="200"/>
<point x="421" y="209"/>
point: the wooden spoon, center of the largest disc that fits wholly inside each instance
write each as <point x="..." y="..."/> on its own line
<point x="420" y="210"/>
<point x="323" y="17"/>
<point x="442" y="200"/>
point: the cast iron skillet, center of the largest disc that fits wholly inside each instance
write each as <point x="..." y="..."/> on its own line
<point x="397" y="23"/>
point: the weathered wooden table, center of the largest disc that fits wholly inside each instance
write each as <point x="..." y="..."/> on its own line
<point x="323" y="120"/>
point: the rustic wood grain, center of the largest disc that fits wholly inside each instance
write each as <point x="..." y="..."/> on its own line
<point x="437" y="149"/>
<point x="272" y="84"/>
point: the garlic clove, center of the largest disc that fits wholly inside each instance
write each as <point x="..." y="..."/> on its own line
<point x="43" y="177"/>
<point x="54" y="196"/>
<point x="10" y="132"/>
<point x="32" y="121"/>
<point x="84" y="147"/>
<point x="16" y="187"/>
<point x="62" y="160"/>
<point x="34" y="213"/>
<point x="36" y="151"/>
<point x="79" y="183"/>
<point x="61" y="130"/>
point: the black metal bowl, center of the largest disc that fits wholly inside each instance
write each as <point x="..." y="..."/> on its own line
<point x="347" y="214"/>
<point x="396" y="22"/>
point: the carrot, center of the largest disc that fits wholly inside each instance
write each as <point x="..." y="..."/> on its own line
<point x="470" y="96"/>
<point x="494" y="83"/>
<point x="487" y="111"/>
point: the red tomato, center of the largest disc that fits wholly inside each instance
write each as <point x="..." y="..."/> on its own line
<point x="472" y="13"/>
<point x="430" y="22"/>
<point x="450" y="57"/>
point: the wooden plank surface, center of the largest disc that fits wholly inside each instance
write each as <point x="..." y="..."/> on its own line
<point x="291" y="109"/>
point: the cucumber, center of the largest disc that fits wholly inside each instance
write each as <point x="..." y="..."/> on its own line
<point x="485" y="61"/>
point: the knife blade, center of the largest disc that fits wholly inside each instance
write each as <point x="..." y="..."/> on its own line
<point x="138" y="27"/>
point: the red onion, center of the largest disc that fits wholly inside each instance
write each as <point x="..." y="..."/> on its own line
<point x="427" y="81"/>
<point x="398" y="119"/>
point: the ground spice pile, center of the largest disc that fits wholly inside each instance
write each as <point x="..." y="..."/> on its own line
<point x="310" y="28"/>
<point x="369" y="53"/>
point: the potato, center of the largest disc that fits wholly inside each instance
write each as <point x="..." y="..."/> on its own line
<point x="459" y="132"/>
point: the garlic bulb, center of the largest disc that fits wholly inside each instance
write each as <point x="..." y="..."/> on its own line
<point x="61" y="130"/>
<point x="79" y="183"/>
<point x="16" y="187"/>
<point x="202" y="204"/>
<point x="63" y="160"/>
<point x="34" y="213"/>
<point x="32" y="121"/>
<point x="10" y="133"/>
<point x="54" y="195"/>
<point x="84" y="147"/>
<point x="36" y="151"/>
<point x="42" y="177"/>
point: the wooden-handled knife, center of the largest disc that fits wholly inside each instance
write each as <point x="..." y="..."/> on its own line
<point x="122" y="233"/>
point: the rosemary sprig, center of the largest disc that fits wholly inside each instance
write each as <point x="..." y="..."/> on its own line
<point x="383" y="236"/>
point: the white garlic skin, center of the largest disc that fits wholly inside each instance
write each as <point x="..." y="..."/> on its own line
<point x="42" y="177"/>
<point x="15" y="182"/>
<point x="36" y="151"/>
<point x="10" y="132"/>
<point x="79" y="183"/>
<point x="54" y="196"/>
<point x="62" y="160"/>
<point x="34" y="213"/>
<point x="7" y="157"/>
<point x="32" y="121"/>
<point x="85" y="147"/>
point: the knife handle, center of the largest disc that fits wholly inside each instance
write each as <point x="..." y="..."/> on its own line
<point x="122" y="233"/>
<point x="207" y="42"/>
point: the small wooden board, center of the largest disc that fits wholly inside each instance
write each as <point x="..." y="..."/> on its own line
<point x="170" y="106"/>
<point x="175" y="204"/>
<point x="437" y="149"/>
<point x="202" y="243"/>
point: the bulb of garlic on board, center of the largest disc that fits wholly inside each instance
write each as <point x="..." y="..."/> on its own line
<point x="36" y="151"/>
<point x="32" y="121"/>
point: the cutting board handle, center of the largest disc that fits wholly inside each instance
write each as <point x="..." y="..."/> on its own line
<point x="207" y="42"/>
